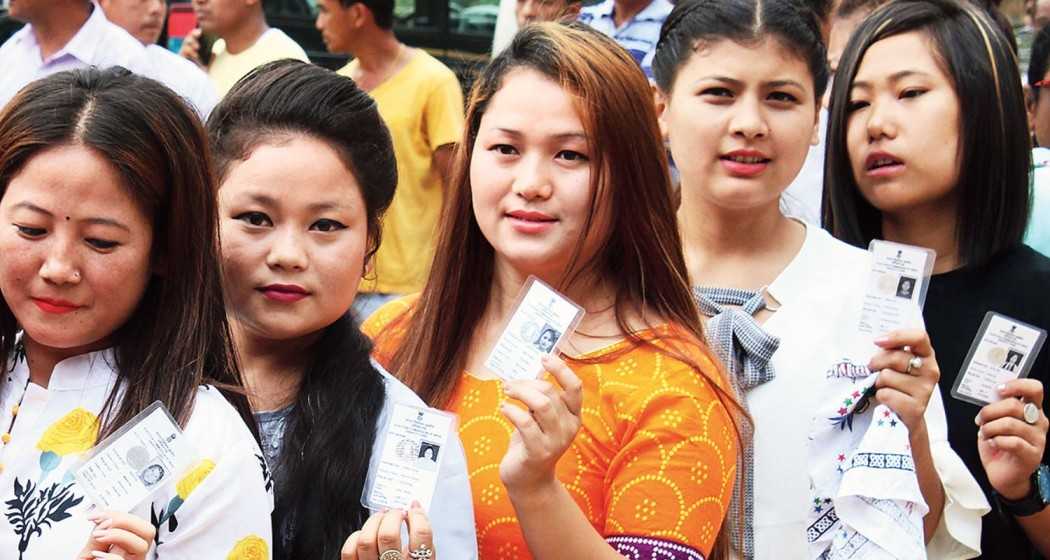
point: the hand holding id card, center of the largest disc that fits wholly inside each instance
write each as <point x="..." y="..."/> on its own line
<point x="125" y="468"/>
<point x="1004" y="349"/>
<point x="413" y="445"/>
<point x="542" y="319"/>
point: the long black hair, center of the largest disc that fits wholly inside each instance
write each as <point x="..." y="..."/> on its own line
<point x="694" y="23"/>
<point x="178" y="337"/>
<point x="331" y="429"/>
<point x="995" y="153"/>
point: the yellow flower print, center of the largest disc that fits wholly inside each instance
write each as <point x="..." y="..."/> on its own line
<point x="192" y="479"/>
<point x="73" y="433"/>
<point x="251" y="547"/>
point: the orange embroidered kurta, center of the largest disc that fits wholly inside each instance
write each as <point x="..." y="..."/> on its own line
<point x="652" y="467"/>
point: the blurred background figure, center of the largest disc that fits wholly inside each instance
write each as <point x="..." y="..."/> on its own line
<point x="513" y="14"/>
<point x="66" y="34"/>
<point x="634" y="24"/>
<point x="421" y="102"/>
<point x="144" y="20"/>
<point x="242" y="41"/>
<point x="1038" y="102"/>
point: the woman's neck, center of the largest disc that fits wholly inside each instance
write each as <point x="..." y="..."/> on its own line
<point x="588" y="291"/>
<point x="736" y="248"/>
<point x="272" y="369"/>
<point x="931" y="226"/>
<point x="42" y="359"/>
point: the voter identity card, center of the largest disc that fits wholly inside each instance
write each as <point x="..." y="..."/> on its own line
<point x="541" y="320"/>
<point x="125" y="468"/>
<point x="1004" y="349"/>
<point x="896" y="291"/>
<point x="414" y="442"/>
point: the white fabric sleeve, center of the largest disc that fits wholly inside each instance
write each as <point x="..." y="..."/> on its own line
<point x="958" y="535"/>
<point x="452" y="508"/>
<point x="226" y="514"/>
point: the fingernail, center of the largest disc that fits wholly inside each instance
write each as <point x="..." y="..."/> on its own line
<point x="416" y="504"/>
<point x="977" y="420"/>
<point x="545" y="358"/>
<point x="105" y="524"/>
<point x="97" y="554"/>
<point x="882" y="340"/>
<point x="99" y="533"/>
<point x="1001" y="388"/>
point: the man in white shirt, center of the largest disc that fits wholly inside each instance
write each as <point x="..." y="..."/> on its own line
<point x="65" y="35"/>
<point x="144" y="20"/>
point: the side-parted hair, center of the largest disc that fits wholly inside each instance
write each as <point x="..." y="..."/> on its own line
<point x="331" y="430"/>
<point x="641" y="254"/>
<point x="694" y="24"/>
<point x="177" y="338"/>
<point x="994" y="149"/>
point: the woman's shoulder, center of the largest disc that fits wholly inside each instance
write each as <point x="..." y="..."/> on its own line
<point x="829" y="249"/>
<point x="215" y="425"/>
<point x="396" y="391"/>
<point x="390" y="312"/>
<point x="668" y="360"/>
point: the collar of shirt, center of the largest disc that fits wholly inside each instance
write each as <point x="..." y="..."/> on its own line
<point x="83" y="46"/>
<point x="77" y="373"/>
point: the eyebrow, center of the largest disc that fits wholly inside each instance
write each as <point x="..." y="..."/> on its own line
<point x="740" y="83"/>
<point x="267" y="200"/>
<point x="93" y="221"/>
<point x="560" y="135"/>
<point x="895" y="77"/>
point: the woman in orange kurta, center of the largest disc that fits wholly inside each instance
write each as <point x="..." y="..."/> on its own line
<point x="627" y="446"/>
<point x="655" y="457"/>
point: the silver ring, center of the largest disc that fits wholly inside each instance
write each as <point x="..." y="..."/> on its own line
<point x="424" y="552"/>
<point x="914" y="363"/>
<point x="1031" y="413"/>
<point x="391" y="555"/>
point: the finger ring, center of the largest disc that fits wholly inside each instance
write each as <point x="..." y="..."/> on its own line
<point x="1031" y="413"/>
<point x="424" y="552"/>
<point x="391" y="555"/>
<point x="914" y="363"/>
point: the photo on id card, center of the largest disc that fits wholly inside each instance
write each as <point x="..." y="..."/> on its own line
<point x="413" y="442"/>
<point x="128" y="466"/>
<point x="1004" y="349"/>
<point x="542" y="319"/>
<point x="897" y="285"/>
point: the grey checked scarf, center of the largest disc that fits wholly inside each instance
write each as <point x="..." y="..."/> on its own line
<point x="746" y="351"/>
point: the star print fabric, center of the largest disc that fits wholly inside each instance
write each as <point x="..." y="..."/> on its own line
<point x="866" y="502"/>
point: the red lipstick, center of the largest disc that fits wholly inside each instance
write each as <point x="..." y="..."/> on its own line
<point x="56" y="306"/>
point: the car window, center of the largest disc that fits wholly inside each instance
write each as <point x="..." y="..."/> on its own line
<point x="473" y="17"/>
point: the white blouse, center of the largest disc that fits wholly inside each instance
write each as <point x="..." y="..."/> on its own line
<point x="819" y="296"/>
<point x="451" y="512"/>
<point x="219" y="509"/>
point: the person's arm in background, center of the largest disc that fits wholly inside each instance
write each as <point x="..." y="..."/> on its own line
<point x="443" y="119"/>
<point x="443" y="163"/>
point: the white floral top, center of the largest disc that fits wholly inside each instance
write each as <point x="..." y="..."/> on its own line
<point x="220" y="509"/>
